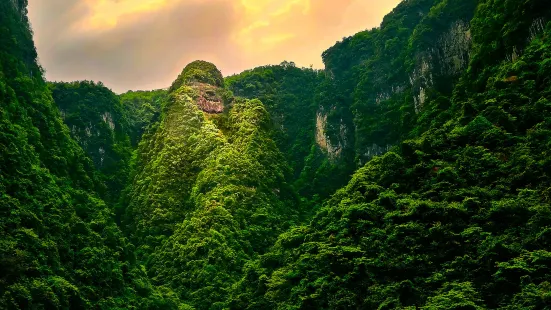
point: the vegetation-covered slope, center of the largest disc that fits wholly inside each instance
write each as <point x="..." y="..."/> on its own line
<point x="288" y="94"/>
<point x="59" y="245"/>
<point x="142" y="108"/>
<point x="367" y="99"/>
<point x="210" y="191"/>
<point x="455" y="217"/>
<point x="97" y="121"/>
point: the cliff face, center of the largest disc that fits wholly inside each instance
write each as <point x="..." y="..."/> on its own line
<point x="386" y="75"/>
<point x="331" y="145"/>
<point x="208" y="98"/>
<point x="206" y="83"/>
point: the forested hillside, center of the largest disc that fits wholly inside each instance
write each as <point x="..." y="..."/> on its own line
<point x="288" y="93"/>
<point x="456" y="215"/>
<point x="97" y="121"/>
<point x="142" y="109"/>
<point x="59" y="245"/>
<point x="211" y="189"/>
<point x="411" y="173"/>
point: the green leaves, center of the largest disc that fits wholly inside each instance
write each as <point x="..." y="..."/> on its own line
<point x="198" y="71"/>
<point x="455" y="296"/>
<point x="210" y="193"/>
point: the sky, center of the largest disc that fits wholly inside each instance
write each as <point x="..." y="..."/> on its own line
<point x="145" y="44"/>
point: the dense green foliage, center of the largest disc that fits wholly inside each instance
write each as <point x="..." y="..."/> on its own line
<point x="288" y="94"/>
<point x="436" y="127"/>
<point x="97" y="122"/>
<point x="142" y="108"/>
<point x="457" y="216"/>
<point x="366" y="101"/>
<point x="59" y="245"/>
<point x="198" y="71"/>
<point x="210" y="193"/>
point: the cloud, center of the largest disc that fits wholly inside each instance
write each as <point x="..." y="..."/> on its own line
<point x="144" y="44"/>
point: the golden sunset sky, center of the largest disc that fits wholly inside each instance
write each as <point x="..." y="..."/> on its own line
<point x="144" y="44"/>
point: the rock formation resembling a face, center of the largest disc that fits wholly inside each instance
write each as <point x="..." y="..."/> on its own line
<point x="207" y="82"/>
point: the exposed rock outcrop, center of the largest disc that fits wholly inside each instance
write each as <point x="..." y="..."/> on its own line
<point x="207" y="84"/>
<point x="327" y="143"/>
<point x="208" y="98"/>
<point x="447" y="59"/>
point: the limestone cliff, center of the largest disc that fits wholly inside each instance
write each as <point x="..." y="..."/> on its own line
<point x="384" y="77"/>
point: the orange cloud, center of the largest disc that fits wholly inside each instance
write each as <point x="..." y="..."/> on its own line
<point x="106" y="13"/>
<point x="140" y="44"/>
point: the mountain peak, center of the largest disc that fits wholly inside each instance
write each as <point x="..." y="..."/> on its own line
<point x="199" y="71"/>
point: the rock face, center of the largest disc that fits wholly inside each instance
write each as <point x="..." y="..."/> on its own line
<point x="325" y="142"/>
<point x="207" y="83"/>
<point x="537" y="27"/>
<point x="445" y="60"/>
<point x="108" y="119"/>
<point x="208" y="98"/>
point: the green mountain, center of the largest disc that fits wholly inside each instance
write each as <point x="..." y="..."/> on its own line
<point x="141" y="108"/>
<point x="59" y="245"/>
<point x="211" y="188"/>
<point x="288" y="94"/>
<point x="455" y="215"/>
<point x="96" y="120"/>
<point x="411" y="173"/>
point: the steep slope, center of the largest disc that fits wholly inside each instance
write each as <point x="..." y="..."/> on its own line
<point x="292" y="96"/>
<point x="97" y="121"/>
<point x="59" y="246"/>
<point x="288" y="94"/>
<point x="376" y="82"/>
<point x="369" y="97"/>
<point x="455" y="217"/>
<point x="371" y="92"/>
<point x="211" y="189"/>
<point x="142" y="108"/>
